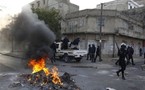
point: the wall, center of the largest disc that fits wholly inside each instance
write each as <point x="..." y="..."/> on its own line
<point x="63" y="5"/>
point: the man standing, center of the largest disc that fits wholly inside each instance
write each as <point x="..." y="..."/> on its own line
<point x="53" y="48"/>
<point x="130" y="52"/>
<point x="122" y="63"/>
<point x="89" y="52"/>
<point x="93" y="50"/>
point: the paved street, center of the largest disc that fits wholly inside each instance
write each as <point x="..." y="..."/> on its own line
<point x="87" y="75"/>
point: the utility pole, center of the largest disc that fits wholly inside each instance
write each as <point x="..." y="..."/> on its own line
<point x="100" y="35"/>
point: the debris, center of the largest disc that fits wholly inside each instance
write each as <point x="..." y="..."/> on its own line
<point x="42" y="82"/>
<point x="143" y="67"/>
<point x="15" y="84"/>
<point x="108" y="88"/>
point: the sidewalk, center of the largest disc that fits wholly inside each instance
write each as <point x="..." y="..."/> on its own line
<point x="13" y="54"/>
<point x="107" y="61"/>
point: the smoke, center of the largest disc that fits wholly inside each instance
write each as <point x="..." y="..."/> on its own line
<point x="35" y="36"/>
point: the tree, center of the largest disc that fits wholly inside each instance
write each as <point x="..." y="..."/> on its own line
<point x="51" y="18"/>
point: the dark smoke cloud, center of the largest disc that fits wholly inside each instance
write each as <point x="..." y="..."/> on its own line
<point x="34" y="33"/>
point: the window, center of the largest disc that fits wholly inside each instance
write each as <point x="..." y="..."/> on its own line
<point x="32" y="5"/>
<point x="43" y="1"/>
<point x="130" y="7"/>
<point x="130" y="26"/>
<point x="38" y="3"/>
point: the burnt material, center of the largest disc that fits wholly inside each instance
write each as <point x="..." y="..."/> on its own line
<point x="39" y="81"/>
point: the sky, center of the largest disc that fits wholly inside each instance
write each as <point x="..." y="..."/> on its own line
<point x="14" y="6"/>
<point x="88" y="4"/>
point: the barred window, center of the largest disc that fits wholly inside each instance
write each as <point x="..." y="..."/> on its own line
<point x="38" y="3"/>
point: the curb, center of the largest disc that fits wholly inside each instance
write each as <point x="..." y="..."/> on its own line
<point x="10" y="54"/>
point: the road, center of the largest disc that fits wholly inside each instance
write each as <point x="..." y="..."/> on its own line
<point x="87" y="75"/>
<point x="100" y="75"/>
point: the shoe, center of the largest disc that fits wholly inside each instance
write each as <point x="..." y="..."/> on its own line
<point x="133" y="64"/>
<point x="117" y="73"/>
<point x="123" y="78"/>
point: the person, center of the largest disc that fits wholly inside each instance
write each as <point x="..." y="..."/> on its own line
<point x="116" y="63"/>
<point x="75" y="43"/>
<point x="130" y="52"/>
<point x="140" y="51"/>
<point x="89" y="52"/>
<point x="97" y="53"/>
<point x="122" y="63"/>
<point x="93" y="50"/>
<point x="65" y="42"/>
<point x="144" y="52"/>
<point x="53" y="48"/>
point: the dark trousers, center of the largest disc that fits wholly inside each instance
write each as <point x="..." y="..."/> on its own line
<point x="92" y="55"/>
<point x="128" y="59"/>
<point x="88" y="56"/>
<point x="123" y="67"/>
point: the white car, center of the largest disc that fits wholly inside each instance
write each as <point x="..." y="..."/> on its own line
<point x="68" y="54"/>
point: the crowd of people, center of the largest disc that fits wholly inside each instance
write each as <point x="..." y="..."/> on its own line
<point x="93" y="53"/>
<point x="125" y="54"/>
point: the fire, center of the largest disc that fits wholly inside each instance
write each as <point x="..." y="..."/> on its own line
<point x="39" y="65"/>
<point x="56" y="79"/>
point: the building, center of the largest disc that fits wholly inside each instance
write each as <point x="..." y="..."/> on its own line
<point x="117" y="28"/>
<point x="64" y="6"/>
<point x="121" y="5"/>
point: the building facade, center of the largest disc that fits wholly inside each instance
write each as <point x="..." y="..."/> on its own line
<point x="116" y="29"/>
<point x="64" y="6"/>
<point x="120" y="5"/>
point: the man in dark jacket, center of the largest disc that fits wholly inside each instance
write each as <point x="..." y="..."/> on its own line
<point x="122" y="63"/>
<point x="97" y="53"/>
<point x="130" y="52"/>
<point x="89" y="52"/>
<point x="65" y="42"/>
<point x="93" y="50"/>
<point x="53" y="48"/>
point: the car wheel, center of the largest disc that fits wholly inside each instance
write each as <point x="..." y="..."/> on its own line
<point x="78" y="59"/>
<point x="66" y="58"/>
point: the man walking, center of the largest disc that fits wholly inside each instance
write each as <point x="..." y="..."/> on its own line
<point x="89" y="52"/>
<point x="93" y="50"/>
<point x="122" y="63"/>
<point x="97" y="53"/>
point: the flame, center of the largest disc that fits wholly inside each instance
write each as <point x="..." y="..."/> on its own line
<point x="56" y="79"/>
<point x="39" y="65"/>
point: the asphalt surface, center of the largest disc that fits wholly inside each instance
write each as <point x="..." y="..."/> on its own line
<point x="87" y="75"/>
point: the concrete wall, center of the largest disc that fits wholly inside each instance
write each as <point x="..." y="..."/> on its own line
<point x="115" y="29"/>
<point x="64" y="6"/>
<point x="120" y="5"/>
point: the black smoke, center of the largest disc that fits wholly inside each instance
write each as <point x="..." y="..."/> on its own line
<point x="34" y="34"/>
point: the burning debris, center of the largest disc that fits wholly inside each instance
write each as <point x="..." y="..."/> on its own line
<point x="43" y="78"/>
<point x="43" y="82"/>
<point x="39" y="81"/>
